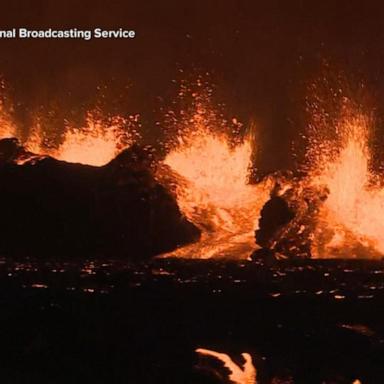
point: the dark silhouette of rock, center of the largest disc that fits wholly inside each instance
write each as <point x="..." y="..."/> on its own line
<point x="288" y="221"/>
<point x="53" y="208"/>
<point x="10" y="150"/>
<point x="275" y="214"/>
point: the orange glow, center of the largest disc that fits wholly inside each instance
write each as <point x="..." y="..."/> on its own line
<point x="245" y="374"/>
<point x="35" y="140"/>
<point x="238" y="375"/>
<point x="212" y="167"/>
<point x="350" y="222"/>
<point x="213" y="192"/>
<point x="96" y="143"/>
<point x="6" y="130"/>
<point x="7" y="127"/>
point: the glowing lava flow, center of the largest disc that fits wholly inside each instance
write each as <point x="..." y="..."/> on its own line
<point x="247" y="374"/>
<point x="351" y="220"/>
<point x="213" y="192"/>
<point x="238" y="375"/>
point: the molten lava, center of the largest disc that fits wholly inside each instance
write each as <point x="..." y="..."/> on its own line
<point x="245" y="374"/>
<point x="238" y="375"/>
<point x="212" y="167"/>
<point x="7" y="127"/>
<point x="351" y="220"/>
<point x="96" y="143"/>
<point x="213" y="192"/>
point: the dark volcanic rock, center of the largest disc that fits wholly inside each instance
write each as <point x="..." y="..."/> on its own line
<point x="53" y="208"/>
<point x="275" y="214"/>
<point x="287" y="222"/>
<point x="11" y="151"/>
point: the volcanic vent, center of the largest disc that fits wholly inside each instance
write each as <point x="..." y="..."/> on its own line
<point x="212" y="169"/>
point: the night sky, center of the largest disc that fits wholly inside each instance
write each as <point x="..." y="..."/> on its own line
<point x="261" y="56"/>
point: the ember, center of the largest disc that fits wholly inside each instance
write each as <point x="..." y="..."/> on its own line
<point x="246" y="374"/>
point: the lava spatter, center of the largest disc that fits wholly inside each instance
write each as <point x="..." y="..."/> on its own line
<point x="213" y="189"/>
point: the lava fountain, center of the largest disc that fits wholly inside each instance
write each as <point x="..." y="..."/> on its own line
<point x="7" y="126"/>
<point x="245" y="374"/>
<point x="214" y="193"/>
<point x="212" y="168"/>
<point x="351" y="220"/>
<point x="96" y="143"/>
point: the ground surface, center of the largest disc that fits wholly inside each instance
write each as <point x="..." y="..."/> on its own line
<point x="117" y="323"/>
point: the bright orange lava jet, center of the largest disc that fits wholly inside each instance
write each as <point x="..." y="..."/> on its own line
<point x="214" y="193"/>
<point x="94" y="144"/>
<point x="213" y="168"/>
<point x="351" y="220"/>
<point x="97" y="143"/>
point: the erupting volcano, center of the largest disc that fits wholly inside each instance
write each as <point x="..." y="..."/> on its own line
<point x="209" y="162"/>
<point x="96" y="143"/>
<point x="336" y="210"/>
<point x="214" y="193"/>
<point x="350" y="221"/>
<point x="339" y="204"/>
<point x="213" y="190"/>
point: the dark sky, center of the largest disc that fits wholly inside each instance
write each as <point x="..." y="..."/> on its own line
<point x="260" y="54"/>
